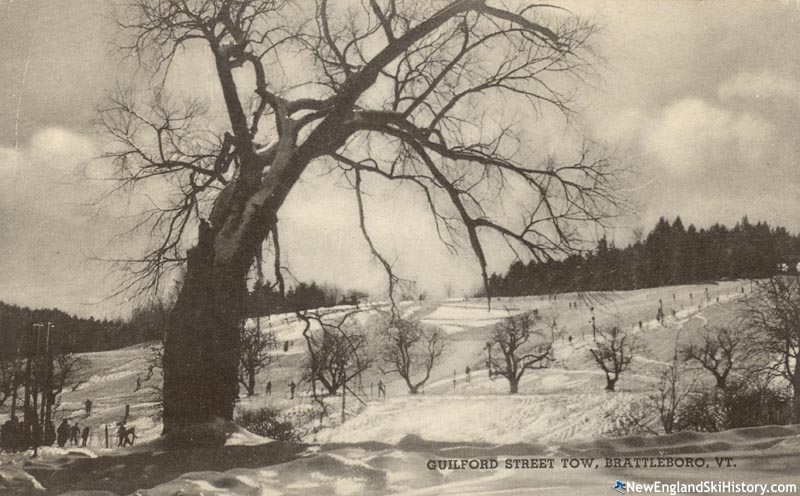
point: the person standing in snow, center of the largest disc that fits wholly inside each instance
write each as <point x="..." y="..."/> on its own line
<point x="88" y="406"/>
<point x="74" y="432"/>
<point x="269" y="388"/>
<point x="292" y="387"/>
<point x="62" y="434"/>
<point x="49" y="434"/>
<point x="85" y="436"/>
<point x="121" y="432"/>
<point x="467" y="372"/>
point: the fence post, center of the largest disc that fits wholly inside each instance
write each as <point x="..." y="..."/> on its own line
<point x="106" y="436"/>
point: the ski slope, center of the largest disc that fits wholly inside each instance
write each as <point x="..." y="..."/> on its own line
<point x="557" y="410"/>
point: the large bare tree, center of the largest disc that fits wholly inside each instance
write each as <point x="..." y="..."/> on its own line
<point x="439" y="95"/>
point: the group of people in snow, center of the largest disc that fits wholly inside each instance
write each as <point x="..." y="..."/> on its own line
<point x="16" y="435"/>
<point x="70" y="433"/>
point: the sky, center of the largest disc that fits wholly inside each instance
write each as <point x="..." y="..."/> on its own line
<point x="699" y="99"/>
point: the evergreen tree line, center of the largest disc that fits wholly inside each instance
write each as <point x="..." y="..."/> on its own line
<point x="75" y="334"/>
<point x="148" y="321"/>
<point x="304" y="296"/>
<point x="670" y="254"/>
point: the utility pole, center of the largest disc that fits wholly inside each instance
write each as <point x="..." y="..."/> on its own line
<point x="26" y="405"/>
<point x="15" y="382"/>
<point x="344" y="393"/>
<point x="45" y="373"/>
<point x="48" y="399"/>
<point x="36" y="424"/>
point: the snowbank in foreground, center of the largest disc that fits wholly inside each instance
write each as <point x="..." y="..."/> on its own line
<point x="767" y="455"/>
<point x="494" y="419"/>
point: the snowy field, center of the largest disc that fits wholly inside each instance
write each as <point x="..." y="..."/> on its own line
<point x="384" y="444"/>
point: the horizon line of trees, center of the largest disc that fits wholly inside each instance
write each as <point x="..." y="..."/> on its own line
<point x="267" y="300"/>
<point x="148" y="320"/>
<point x="670" y="254"/>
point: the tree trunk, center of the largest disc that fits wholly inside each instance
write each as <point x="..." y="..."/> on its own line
<point x="202" y="340"/>
<point x="610" y="383"/>
<point x="513" y="386"/>
<point x="251" y="382"/>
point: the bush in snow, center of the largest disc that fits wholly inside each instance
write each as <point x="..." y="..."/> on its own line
<point x="630" y="420"/>
<point x="269" y="422"/>
<point x="703" y="412"/>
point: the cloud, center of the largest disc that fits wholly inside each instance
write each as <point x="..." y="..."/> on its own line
<point x="46" y="232"/>
<point x="51" y="154"/>
<point x="759" y="85"/>
<point x="693" y="134"/>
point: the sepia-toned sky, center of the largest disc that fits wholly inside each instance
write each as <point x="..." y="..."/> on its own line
<point x="700" y="99"/>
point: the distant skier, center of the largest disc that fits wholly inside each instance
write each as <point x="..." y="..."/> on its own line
<point x="292" y="387"/>
<point x="381" y="389"/>
<point x="467" y="373"/>
<point x="88" y="406"/>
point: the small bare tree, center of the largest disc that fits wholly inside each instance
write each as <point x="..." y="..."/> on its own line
<point x="411" y="349"/>
<point x="613" y="351"/>
<point x="66" y="372"/>
<point x="522" y="348"/>
<point x="9" y="378"/>
<point x="255" y="354"/>
<point x="671" y="392"/>
<point x="718" y="352"/>
<point x="337" y="352"/>
<point x="774" y="312"/>
<point x="154" y="378"/>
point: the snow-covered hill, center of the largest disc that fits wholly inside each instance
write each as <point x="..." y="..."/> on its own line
<point x="562" y="410"/>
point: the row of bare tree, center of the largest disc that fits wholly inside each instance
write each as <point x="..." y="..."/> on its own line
<point x="339" y="350"/>
<point x="32" y="376"/>
<point x="752" y="364"/>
